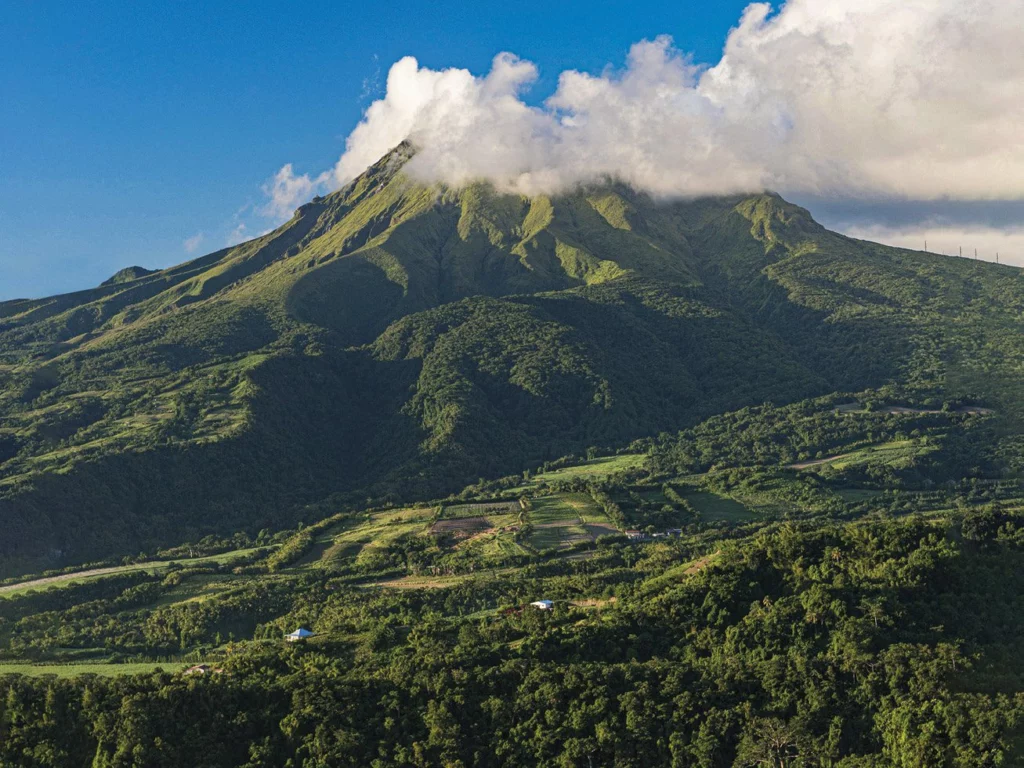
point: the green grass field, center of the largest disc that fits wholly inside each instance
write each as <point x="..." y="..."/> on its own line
<point x="593" y="469"/>
<point x="552" y="509"/>
<point x="156" y="566"/>
<point x="587" y="509"/>
<point x="558" y="536"/>
<point x="715" y="508"/>
<point x="360" y="538"/>
<point x="896" y="454"/>
<point x="106" y="670"/>
<point x="557" y="521"/>
<point x="481" y="510"/>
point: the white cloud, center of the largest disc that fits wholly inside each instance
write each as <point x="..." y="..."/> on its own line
<point x="908" y="98"/>
<point x="191" y="244"/>
<point x="238" y="235"/>
<point x="286" y="191"/>
<point x="989" y="242"/>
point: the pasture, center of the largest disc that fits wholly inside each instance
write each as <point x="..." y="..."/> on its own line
<point x="716" y="508"/>
<point x="594" y="469"/>
<point x="99" y="668"/>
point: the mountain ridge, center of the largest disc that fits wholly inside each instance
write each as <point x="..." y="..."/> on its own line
<point x="395" y="339"/>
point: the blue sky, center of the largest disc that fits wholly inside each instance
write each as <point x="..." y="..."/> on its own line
<point x="142" y="133"/>
<point x="127" y="128"/>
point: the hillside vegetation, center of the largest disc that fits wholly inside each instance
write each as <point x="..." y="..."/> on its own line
<point x="393" y="342"/>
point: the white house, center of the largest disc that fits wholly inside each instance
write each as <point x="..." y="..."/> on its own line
<point x="203" y="669"/>
<point x="543" y="605"/>
<point x="298" y="634"/>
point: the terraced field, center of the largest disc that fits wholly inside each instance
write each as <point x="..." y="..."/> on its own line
<point x="594" y="469"/>
<point x="362" y="539"/>
<point x="481" y="509"/>
<point x="557" y="521"/>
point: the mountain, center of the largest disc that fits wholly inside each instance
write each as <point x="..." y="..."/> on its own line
<point x="395" y="340"/>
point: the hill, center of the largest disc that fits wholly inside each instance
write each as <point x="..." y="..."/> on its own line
<point x="394" y="341"/>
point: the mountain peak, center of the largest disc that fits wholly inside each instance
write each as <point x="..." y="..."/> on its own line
<point x="126" y="275"/>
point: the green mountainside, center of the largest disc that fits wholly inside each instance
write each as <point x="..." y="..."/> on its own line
<point x="394" y="341"/>
<point x="764" y="482"/>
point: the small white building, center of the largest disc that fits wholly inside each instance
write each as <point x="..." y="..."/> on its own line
<point x="299" y="634"/>
<point x="203" y="669"/>
<point x="543" y="605"/>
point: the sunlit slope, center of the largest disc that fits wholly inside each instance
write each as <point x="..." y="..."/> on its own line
<point x="395" y="339"/>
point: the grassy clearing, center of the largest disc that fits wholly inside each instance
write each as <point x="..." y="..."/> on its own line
<point x="594" y="469"/>
<point x="715" y="508"/>
<point x="360" y="538"/>
<point x="154" y="567"/>
<point x="557" y="523"/>
<point x="897" y="454"/>
<point x="585" y="507"/>
<point x="421" y="582"/>
<point x="106" y="670"/>
<point x="199" y="588"/>
<point x="503" y="546"/>
<point x="558" y="537"/>
<point x="552" y="509"/>
<point x="387" y="535"/>
<point x="481" y="510"/>
<point x="413" y="515"/>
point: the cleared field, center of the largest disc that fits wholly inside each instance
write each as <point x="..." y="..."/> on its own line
<point x="421" y="582"/>
<point x="360" y="538"/>
<point x="595" y="468"/>
<point x="106" y="670"/>
<point x="462" y="524"/>
<point x="558" y="536"/>
<point x="416" y="515"/>
<point x="899" y="453"/>
<point x="556" y="522"/>
<point x="715" y="508"/>
<point x="199" y="588"/>
<point x="481" y="510"/>
<point x="387" y="536"/>
<point x="501" y="546"/>
<point x="552" y="509"/>
<point x="585" y="507"/>
<point x="156" y="566"/>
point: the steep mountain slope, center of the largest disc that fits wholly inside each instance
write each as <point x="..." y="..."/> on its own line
<point x="398" y="340"/>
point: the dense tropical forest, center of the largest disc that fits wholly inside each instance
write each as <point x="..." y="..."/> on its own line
<point x="768" y="477"/>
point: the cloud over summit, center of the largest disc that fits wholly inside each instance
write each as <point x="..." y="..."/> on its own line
<point x="913" y="99"/>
